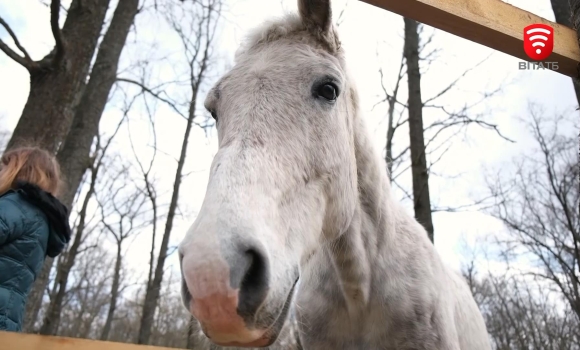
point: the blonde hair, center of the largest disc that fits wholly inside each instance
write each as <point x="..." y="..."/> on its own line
<point x="30" y="164"/>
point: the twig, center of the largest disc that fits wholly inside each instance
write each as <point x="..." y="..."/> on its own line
<point x="454" y="82"/>
<point x="16" y="41"/>
<point x="154" y="94"/>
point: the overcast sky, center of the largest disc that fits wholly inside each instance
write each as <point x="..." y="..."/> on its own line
<point x="372" y="39"/>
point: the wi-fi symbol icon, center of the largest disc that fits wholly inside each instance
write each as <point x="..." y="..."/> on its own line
<point x="538" y="41"/>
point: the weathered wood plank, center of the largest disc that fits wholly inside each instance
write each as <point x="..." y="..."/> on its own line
<point x="492" y="23"/>
<point x="22" y="341"/>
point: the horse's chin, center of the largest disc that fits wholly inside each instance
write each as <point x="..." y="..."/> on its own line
<point x="270" y="334"/>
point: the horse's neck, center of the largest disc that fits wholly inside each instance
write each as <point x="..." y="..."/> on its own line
<point x="354" y="255"/>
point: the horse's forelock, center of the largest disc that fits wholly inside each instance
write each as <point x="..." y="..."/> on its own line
<point x="291" y="27"/>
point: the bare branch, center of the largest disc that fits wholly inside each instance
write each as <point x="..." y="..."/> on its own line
<point x="157" y="95"/>
<point x="454" y="82"/>
<point x="465" y="207"/>
<point x="56" y="32"/>
<point x="15" y="39"/>
<point x="25" y="60"/>
<point x="536" y="207"/>
<point x="341" y="16"/>
<point x="462" y="118"/>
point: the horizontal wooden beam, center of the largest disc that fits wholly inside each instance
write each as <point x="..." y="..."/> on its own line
<point x="22" y="341"/>
<point x="492" y="23"/>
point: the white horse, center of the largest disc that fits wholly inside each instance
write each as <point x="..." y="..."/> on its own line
<point x="297" y="191"/>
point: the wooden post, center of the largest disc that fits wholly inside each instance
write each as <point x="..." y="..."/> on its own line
<point x="492" y="23"/>
<point x="23" y="341"/>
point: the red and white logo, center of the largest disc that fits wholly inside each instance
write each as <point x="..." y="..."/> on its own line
<point x="538" y="41"/>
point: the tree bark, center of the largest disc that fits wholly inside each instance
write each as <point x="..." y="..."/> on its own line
<point x="563" y="15"/>
<point x="562" y="11"/>
<point x="74" y="156"/>
<point x="55" y="91"/>
<point x="114" y="293"/>
<point x="420" y="174"/>
<point x="575" y="17"/>
<point x="56" y="81"/>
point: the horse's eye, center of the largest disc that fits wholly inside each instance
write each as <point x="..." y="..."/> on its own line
<point x="213" y="115"/>
<point x="328" y="91"/>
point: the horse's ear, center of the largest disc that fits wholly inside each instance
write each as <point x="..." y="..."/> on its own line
<point x="316" y="14"/>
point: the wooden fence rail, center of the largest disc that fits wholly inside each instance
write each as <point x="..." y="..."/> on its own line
<point x="492" y="23"/>
<point x="21" y="341"/>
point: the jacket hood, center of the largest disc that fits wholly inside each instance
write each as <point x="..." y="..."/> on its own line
<point x="56" y="213"/>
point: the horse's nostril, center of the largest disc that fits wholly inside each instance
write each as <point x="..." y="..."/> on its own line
<point x="254" y="278"/>
<point x="235" y="281"/>
<point x="254" y="283"/>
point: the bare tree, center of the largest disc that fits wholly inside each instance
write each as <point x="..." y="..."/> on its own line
<point x="126" y="207"/>
<point x="575" y="22"/>
<point x="85" y="220"/>
<point x="522" y="314"/>
<point x="420" y="174"/>
<point x="57" y="80"/>
<point x="196" y="34"/>
<point x="89" y="295"/>
<point x="392" y="126"/>
<point x="427" y="144"/>
<point x="52" y="317"/>
<point x="563" y="15"/>
<point x="74" y="154"/>
<point x="77" y="131"/>
<point x="149" y="190"/>
<point x="539" y="205"/>
<point x="171" y="323"/>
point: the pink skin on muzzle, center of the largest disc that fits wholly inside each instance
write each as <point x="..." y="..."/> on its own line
<point x="214" y="304"/>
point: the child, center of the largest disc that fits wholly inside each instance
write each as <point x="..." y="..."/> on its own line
<point x="33" y="224"/>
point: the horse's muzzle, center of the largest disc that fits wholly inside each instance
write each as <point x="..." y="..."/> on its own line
<point x="223" y="292"/>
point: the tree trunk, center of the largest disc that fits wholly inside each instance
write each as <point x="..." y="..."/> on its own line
<point x="54" y="94"/>
<point x="52" y="317"/>
<point x="153" y="200"/>
<point x="34" y="301"/>
<point x="114" y="293"/>
<point x="74" y="156"/>
<point x="575" y="18"/>
<point x="389" y="145"/>
<point x="153" y="290"/>
<point x="563" y="14"/>
<point x="392" y="100"/>
<point x="75" y="332"/>
<point x="55" y="88"/>
<point x="198" y="66"/>
<point x="422" y="202"/>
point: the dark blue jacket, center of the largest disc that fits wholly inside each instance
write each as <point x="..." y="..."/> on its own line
<point x="33" y="224"/>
